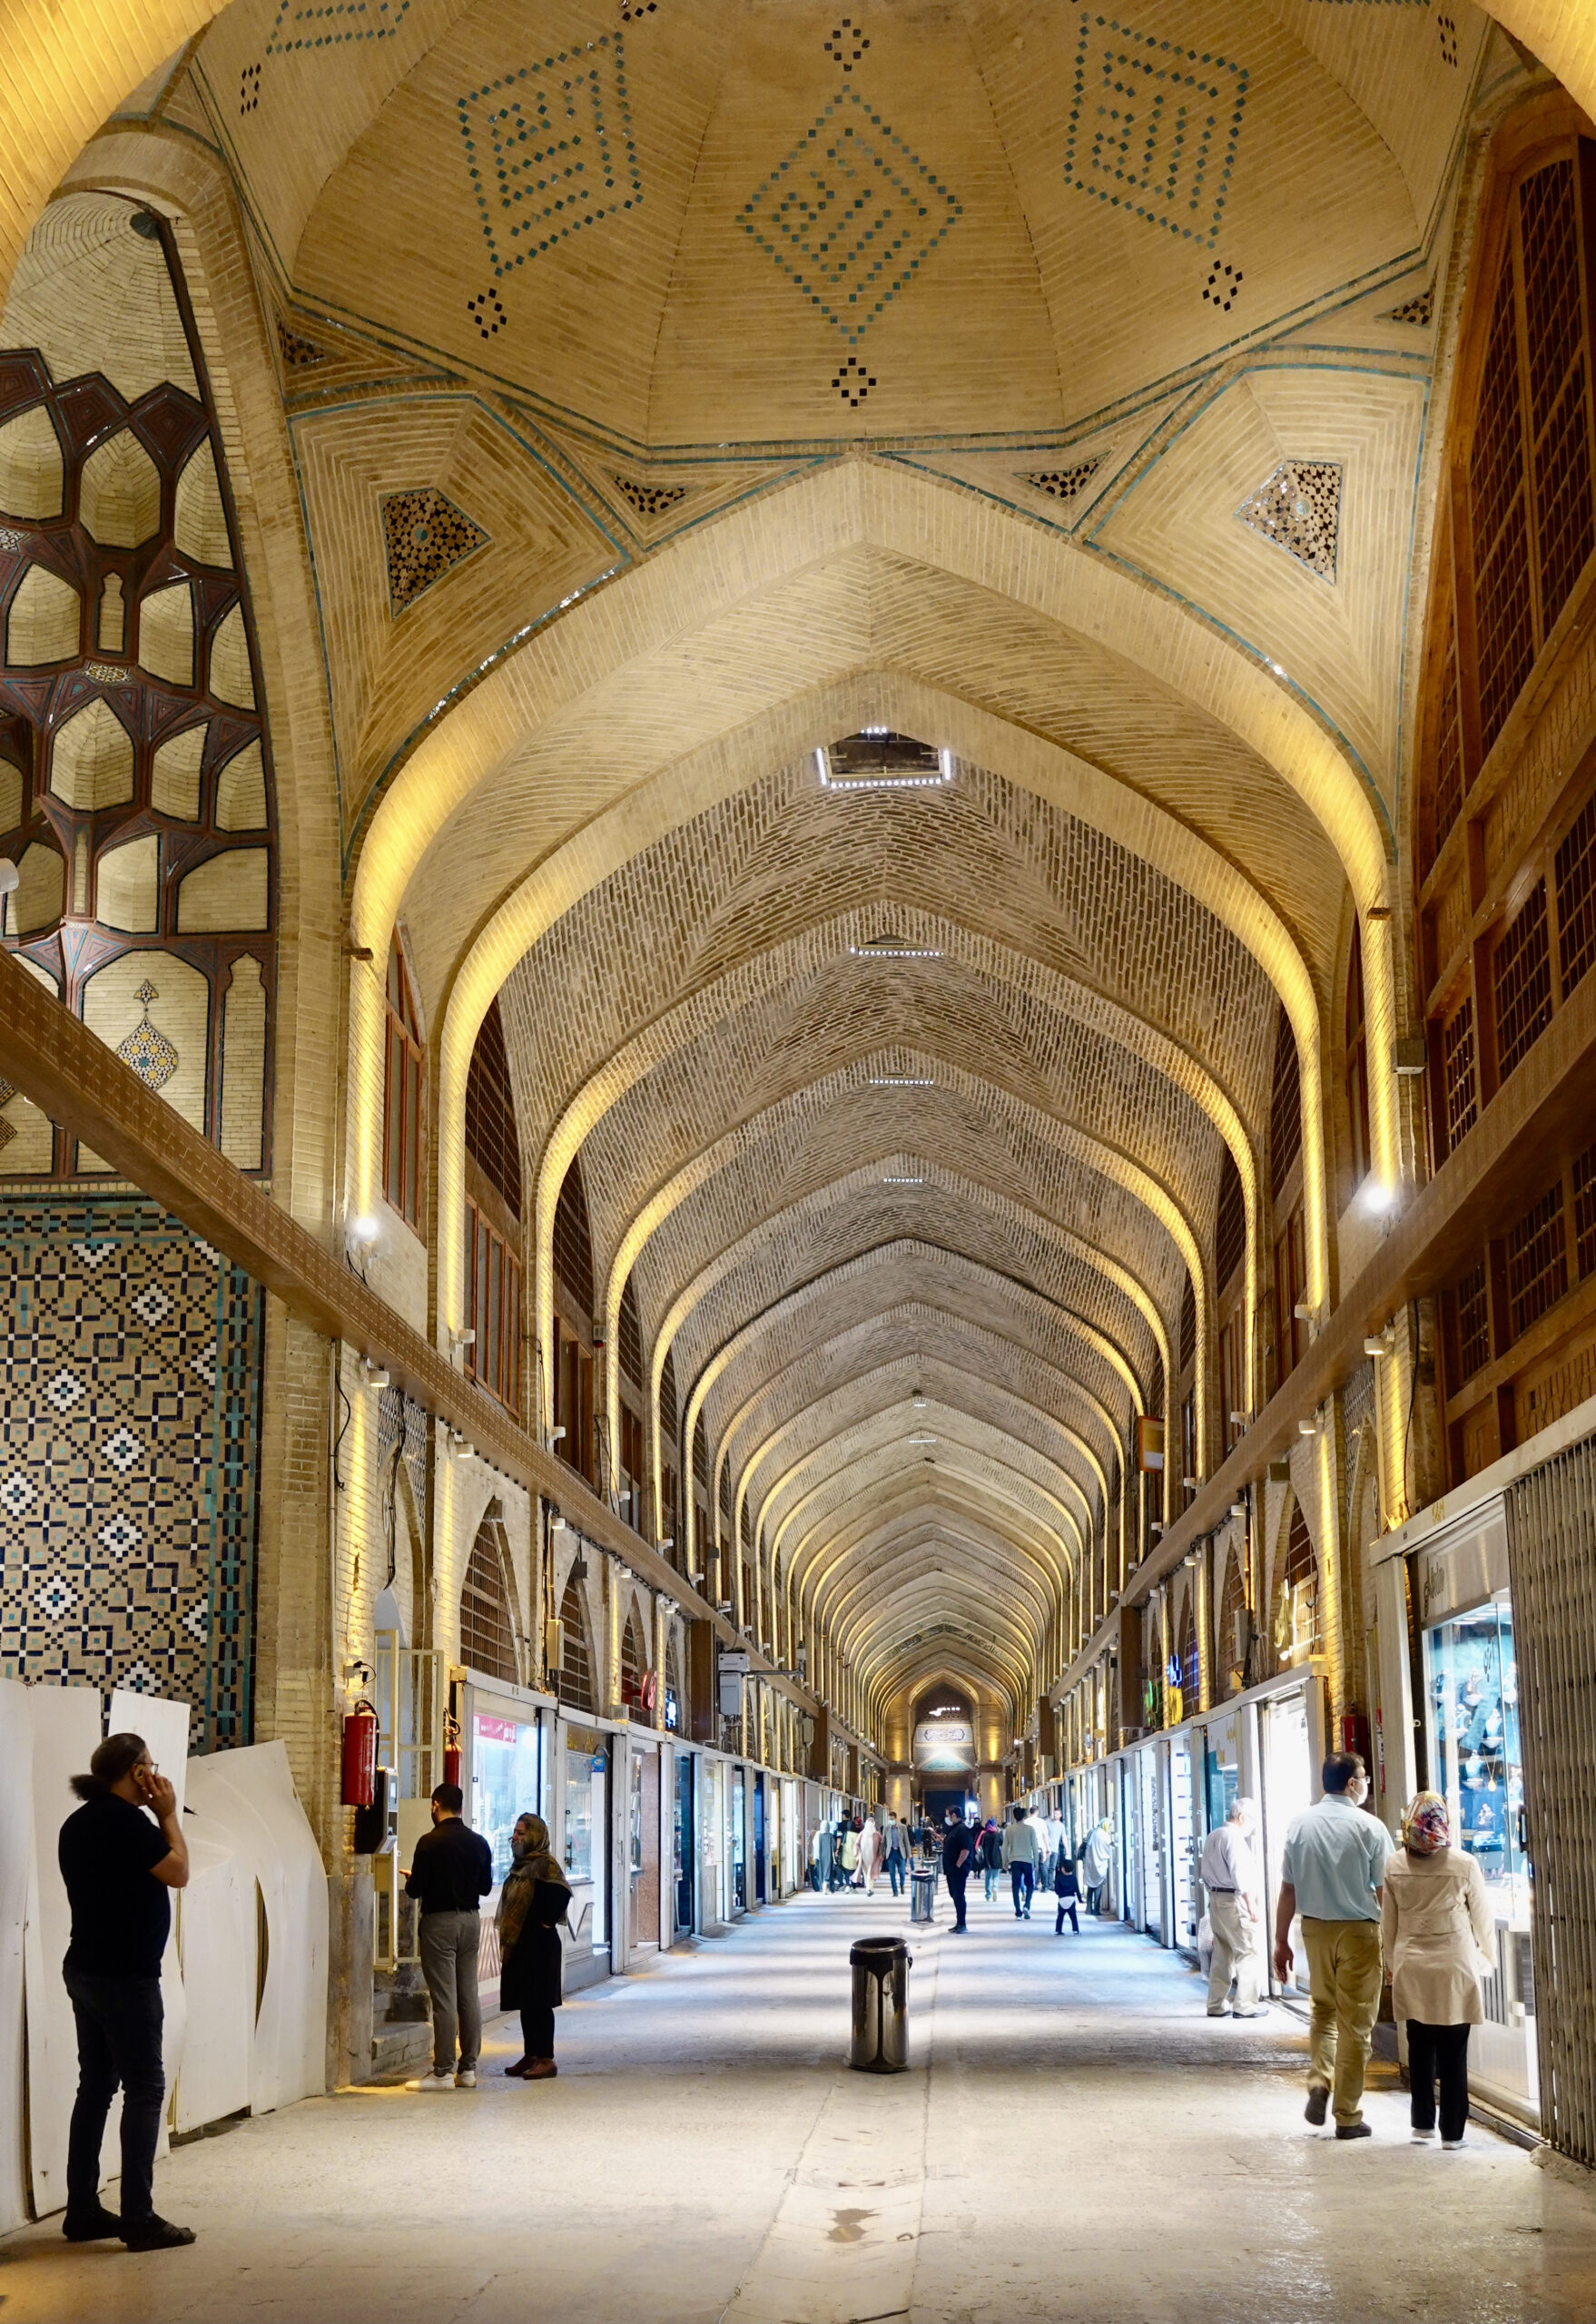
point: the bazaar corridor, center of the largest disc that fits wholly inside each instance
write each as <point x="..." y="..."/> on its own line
<point x="1074" y="2138"/>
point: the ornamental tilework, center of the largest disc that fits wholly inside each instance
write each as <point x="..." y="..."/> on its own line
<point x="1153" y="127"/>
<point x="850" y="215"/>
<point x="425" y="536"/>
<point x="128" y="1449"/>
<point x="333" y="23"/>
<point x="549" y="149"/>
<point x="1298" y="507"/>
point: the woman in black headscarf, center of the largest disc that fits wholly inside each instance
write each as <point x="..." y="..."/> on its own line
<point x="531" y="1905"/>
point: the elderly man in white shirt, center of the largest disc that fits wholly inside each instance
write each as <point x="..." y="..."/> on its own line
<point x="1228" y="1871"/>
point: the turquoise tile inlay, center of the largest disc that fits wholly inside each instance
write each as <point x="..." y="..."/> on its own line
<point x="849" y="215"/>
<point x="1153" y="127"/>
<point x="333" y="22"/>
<point x="549" y="149"/>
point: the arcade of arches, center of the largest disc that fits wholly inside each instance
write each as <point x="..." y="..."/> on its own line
<point x="799" y="831"/>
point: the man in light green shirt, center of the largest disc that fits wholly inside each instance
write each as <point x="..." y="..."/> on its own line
<point x="1333" y="1872"/>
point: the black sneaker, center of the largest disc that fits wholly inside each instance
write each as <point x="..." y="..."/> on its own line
<point x="1318" y="2105"/>
<point x="1354" y="2131"/>
<point x="154" y="2234"/>
<point x="97" y="2226"/>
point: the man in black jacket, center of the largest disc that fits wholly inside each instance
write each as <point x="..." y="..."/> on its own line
<point x="957" y="1856"/>
<point x="452" y="1871"/>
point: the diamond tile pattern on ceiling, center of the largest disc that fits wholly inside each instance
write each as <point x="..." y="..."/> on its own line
<point x="549" y="149"/>
<point x="1153" y="128"/>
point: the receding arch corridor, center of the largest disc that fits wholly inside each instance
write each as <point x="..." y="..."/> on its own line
<point x="1074" y="2138"/>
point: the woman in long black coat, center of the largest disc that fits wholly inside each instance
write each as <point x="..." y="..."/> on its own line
<point x="531" y="1905"/>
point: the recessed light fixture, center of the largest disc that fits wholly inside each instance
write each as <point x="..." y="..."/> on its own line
<point x="877" y="759"/>
<point x="902" y="1081"/>
<point x="902" y="1181"/>
<point x="922" y="1440"/>
<point x="882" y="948"/>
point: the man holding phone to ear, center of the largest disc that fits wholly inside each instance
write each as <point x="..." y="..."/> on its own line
<point x="119" y="1867"/>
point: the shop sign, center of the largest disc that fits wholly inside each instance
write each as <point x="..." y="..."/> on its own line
<point x="1464" y="1570"/>
<point x="494" y="1730"/>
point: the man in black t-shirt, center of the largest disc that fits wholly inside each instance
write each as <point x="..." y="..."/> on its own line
<point x="957" y="1856"/>
<point x="450" y="1871"/>
<point x="119" y="1867"/>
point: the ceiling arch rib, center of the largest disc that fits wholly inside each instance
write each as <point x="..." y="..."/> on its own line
<point x="902" y="1540"/>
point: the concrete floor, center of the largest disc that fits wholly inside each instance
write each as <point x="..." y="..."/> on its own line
<point x="1075" y="2140"/>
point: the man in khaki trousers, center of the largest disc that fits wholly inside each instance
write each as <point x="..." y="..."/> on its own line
<point x="1333" y="1872"/>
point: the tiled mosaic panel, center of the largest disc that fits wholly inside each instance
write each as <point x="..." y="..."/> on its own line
<point x="129" y="1439"/>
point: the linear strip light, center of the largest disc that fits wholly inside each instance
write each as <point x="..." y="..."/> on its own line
<point x="912" y="771"/>
<point x="896" y="951"/>
<point x="902" y="1182"/>
<point x="902" y="1081"/>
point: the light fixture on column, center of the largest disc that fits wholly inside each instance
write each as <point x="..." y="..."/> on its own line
<point x="376" y="1378"/>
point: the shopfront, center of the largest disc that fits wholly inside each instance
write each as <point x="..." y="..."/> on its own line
<point x="585" y="1827"/>
<point x="1467" y="1731"/>
<point x="759" y="1823"/>
<point x="737" y="1842"/>
<point x="715" y="1890"/>
<point x="504" y="1770"/>
<point x="643" y="1841"/>
<point x="683" y="1826"/>
<point x="1183" y="1843"/>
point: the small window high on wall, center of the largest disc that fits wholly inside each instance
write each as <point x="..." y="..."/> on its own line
<point x="404" y="1093"/>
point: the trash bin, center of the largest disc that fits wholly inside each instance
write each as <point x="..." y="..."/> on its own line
<point x="923" y="1893"/>
<point x="881" y="2004"/>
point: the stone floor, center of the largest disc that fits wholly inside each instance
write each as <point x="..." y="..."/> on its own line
<point x="1075" y="2140"/>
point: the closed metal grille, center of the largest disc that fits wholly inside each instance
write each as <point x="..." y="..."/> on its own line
<point x="1457" y="1065"/>
<point x="1552" y="1556"/>
<point x="1473" y="1323"/>
<point x="1576" y="897"/>
<point x="1522" y="975"/>
<point x="1537" y="1261"/>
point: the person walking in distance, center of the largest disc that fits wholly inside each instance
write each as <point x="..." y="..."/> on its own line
<point x="532" y="1904"/>
<point x="1228" y="1870"/>
<point x="870" y="1852"/>
<point x="1097" y="1855"/>
<point x="450" y="1872"/>
<point x="1333" y="1872"/>
<point x="957" y="1856"/>
<point x="121" y="1853"/>
<point x="1067" y="1889"/>
<point x="1440" y="1939"/>
<point x="989" y="1855"/>
<point x="897" y="1853"/>
<point x="1019" y="1854"/>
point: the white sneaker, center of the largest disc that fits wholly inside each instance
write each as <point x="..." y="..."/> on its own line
<point x="1451" y="2146"/>
<point x="1421" y="2137"/>
<point x="465" y="2079"/>
<point x="432" y="2082"/>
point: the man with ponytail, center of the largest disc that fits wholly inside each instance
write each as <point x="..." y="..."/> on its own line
<point x="118" y="1864"/>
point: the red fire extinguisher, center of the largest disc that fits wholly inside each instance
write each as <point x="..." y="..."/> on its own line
<point x="360" y="1756"/>
<point x="451" y="1750"/>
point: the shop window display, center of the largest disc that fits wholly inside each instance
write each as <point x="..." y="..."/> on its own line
<point x="1471" y="1680"/>
<point x="506" y="1780"/>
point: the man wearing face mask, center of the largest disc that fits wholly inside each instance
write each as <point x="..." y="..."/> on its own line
<point x="1333" y="1873"/>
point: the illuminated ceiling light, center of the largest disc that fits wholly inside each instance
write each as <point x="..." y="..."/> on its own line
<point x="902" y="1182"/>
<point x="877" y="759"/>
<point x="922" y="1440"/>
<point x="887" y="948"/>
<point x="902" y="1081"/>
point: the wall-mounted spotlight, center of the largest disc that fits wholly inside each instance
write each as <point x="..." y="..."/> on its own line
<point x="557" y="1433"/>
<point x="363" y="1235"/>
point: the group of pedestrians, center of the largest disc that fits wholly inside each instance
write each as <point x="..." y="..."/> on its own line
<point x="856" y="1851"/>
<point x="1034" y="1851"/>
<point x="1413" y="1914"/>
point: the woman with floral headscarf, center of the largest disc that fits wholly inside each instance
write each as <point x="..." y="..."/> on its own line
<point x="1439" y="1939"/>
<point x="531" y="1905"/>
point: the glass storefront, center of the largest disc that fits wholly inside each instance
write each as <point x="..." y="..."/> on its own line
<point x="1182" y="1843"/>
<point x="736" y="1841"/>
<point x="1471" y="1734"/>
<point x="713" y="1827"/>
<point x="1285" y="1755"/>
<point x="1221" y="1766"/>
<point x="508" y="1779"/>
<point x="1152" y="1840"/>
<point x="586" y="1834"/>
<point x="681" y="1860"/>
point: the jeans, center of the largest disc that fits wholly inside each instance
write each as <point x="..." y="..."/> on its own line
<point x="1440" y="2050"/>
<point x="538" y="2032"/>
<point x="1344" y="1985"/>
<point x="1067" y="1904"/>
<point x="1023" y="1881"/>
<point x="119" y="2021"/>
<point x="895" y="1874"/>
<point x="957" y="1883"/>
<point x="992" y="1881"/>
<point x="449" y="1944"/>
<point x="1235" y="1955"/>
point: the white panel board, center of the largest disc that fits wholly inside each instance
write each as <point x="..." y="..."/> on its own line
<point x="17" y="1841"/>
<point x="216" y="1919"/>
<point x="65" y="1722"/>
<point x="246" y="1799"/>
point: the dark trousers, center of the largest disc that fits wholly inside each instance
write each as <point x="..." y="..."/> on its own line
<point x="1022" y="1879"/>
<point x="1439" y="2052"/>
<point x="1067" y="1904"/>
<point x="538" y="2032"/>
<point x="957" y="1883"/>
<point x="119" y="2021"/>
<point x="896" y="1874"/>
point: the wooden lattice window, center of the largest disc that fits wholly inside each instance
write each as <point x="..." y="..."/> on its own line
<point x="1585" y="1177"/>
<point x="1445" y="733"/>
<point x="1460" y="1082"/>
<point x="1232" y="1604"/>
<point x="700" y="1456"/>
<point x="1284" y="1106"/>
<point x="633" y="1664"/>
<point x="1188" y="1443"/>
<point x="1473" y="1322"/>
<point x="1575" y="870"/>
<point x="1520" y="970"/>
<point x="576" y="1675"/>
<point x="1191" y="1675"/>
<point x="493" y="1309"/>
<point x="1357" y="1064"/>
<point x="1233" y="1399"/>
<point x="487" y="1633"/>
<point x="573" y="1240"/>
<point x="1230" y="1224"/>
<point x="630" y="1341"/>
<point x="1537" y="1261"/>
<point x="1187" y="1322"/>
<point x="1291" y="1280"/>
<point x="491" y="1139"/>
<point x="1301" y="1629"/>
<point x="404" y="1120"/>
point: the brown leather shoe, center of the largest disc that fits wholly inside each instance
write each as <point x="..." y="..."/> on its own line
<point x="519" y="2067"/>
<point x="540" y="2070"/>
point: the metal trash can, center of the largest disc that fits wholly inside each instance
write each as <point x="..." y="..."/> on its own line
<point x="923" y="1894"/>
<point x="881" y="2004"/>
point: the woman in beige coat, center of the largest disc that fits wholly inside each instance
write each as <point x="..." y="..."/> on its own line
<point x="1438" y="1933"/>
